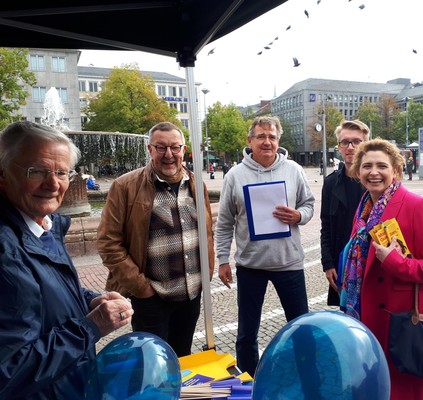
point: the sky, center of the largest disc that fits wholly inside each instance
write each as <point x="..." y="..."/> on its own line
<point x="337" y="41"/>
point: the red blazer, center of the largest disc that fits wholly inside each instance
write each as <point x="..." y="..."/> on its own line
<point x="391" y="285"/>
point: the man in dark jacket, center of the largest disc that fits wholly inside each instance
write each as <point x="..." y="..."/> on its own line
<point x="49" y="324"/>
<point x="340" y="197"/>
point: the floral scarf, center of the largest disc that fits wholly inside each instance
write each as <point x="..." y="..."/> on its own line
<point x="353" y="258"/>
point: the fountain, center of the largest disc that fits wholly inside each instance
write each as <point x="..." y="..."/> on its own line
<point x="102" y="153"/>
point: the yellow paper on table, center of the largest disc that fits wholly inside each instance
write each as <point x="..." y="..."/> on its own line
<point x="205" y="366"/>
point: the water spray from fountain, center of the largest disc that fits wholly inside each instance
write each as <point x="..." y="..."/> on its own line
<point x="54" y="111"/>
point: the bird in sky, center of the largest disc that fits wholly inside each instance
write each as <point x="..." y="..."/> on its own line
<point x="259" y="53"/>
<point x="276" y="38"/>
<point x="318" y="2"/>
<point x="288" y="27"/>
<point x="296" y="63"/>
<point x="414" y="51"/>
<point x="306" y="13"/>
<point x="270" y="43"/>
<point x="267" y="47"/>
<point x="361" y="7"/>
<point x="211" y="51"/>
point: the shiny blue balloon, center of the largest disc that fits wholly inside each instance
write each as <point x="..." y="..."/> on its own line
<point x="323" y="355"/>
<point x="135" y="366"/>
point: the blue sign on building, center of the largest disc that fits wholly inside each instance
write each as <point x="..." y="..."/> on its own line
<point x="312" y="97"/>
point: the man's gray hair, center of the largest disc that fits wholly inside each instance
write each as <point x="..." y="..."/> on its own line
<point x="25" y="133"/>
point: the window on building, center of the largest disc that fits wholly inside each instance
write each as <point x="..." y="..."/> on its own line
<point x="161" y="90"/>
<point x="82" y="102"/>
<point x="93" y="86"/>
<point x="173" y="105"/>
<point x="182" y="91"/>
<point x="58" y="64"/>
<point x="173" y="91"/>
<point x="63" y="94"/>
<point x="36" y="62"/>
<point x="82" y="86"/>
<point x="185" y="123"/>
<point x="39" y="94"/>
<point x="183" y="107"/>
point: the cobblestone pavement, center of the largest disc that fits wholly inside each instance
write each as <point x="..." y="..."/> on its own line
<point x="224" y="307"/>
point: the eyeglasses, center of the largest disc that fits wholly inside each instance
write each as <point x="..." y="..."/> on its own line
<point x="262" y="137"/>
<point x="41" y="174"/>
<point x="175" y="149"/>
<point x="343" y="144"/>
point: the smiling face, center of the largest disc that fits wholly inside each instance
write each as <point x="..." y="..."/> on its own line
<point x="264" y="144"/>
<point x="37" y="198"/>
<point x="376" y="172"/>
<point x="167" y="164"/>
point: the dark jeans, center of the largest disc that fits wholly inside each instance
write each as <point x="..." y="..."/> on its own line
<point x="173" y="321"/>
<point x="252" y="284"/>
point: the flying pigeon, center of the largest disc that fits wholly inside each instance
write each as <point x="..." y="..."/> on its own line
<point x="211" y="51"/>
<point x="270" y="43"/>
<point x="296" y="63"/>
<point x="288" y="27"/>
<point x="318" y="2"/>
<point x="361" y="7"/>
<point x="306" y="13"/>
<point x="276" y="38"/>
<point x="259" y="53"/>
<point x="267" y="47"/>
<point x="414" y="51"/>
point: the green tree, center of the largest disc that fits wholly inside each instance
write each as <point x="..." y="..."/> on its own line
<point x="14" y="75"/>
<point x="370" y="115"/>
<point x="128" y="103"/>
<point x="415" y="121"/>
<point x="227" y="129"/>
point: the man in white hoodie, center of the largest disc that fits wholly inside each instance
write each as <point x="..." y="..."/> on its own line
<point x="279" y="260"/>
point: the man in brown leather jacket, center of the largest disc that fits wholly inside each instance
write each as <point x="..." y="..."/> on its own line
<point x="148" y="239"/>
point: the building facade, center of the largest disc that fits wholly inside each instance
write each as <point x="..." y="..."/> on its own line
<point x="76" y="85"/>
<point x="299" y="106"/>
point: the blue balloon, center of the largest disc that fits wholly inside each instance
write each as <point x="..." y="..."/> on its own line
<point x="323" y="355"/>
<point x="137" y="365"/>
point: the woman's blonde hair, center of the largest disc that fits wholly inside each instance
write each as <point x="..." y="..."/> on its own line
<point x="378" y="144"/>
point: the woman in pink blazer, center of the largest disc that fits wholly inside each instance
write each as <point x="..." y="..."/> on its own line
<point x="377" y="278"/>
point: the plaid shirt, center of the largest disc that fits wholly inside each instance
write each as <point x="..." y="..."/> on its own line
<point x="173" y="261"/>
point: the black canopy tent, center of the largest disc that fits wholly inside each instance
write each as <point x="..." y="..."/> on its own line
<point x="174" y="28"/>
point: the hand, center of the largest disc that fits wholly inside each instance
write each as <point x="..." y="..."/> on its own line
<point x="111" y="314"/>
<point x="225" y="274"/>
<point x="332" y="276"/>
<point x="382" y="252"/>
<point x="105" y="297"/>
<point x="287" y="215"/>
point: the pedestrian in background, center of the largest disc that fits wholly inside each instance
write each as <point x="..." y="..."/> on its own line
<point x="410" y="166"/>
<point x="340" y="197"/>
<point x="148" y="239"/>
<point x="49" y="324"/>
<point x="375" y="278"/>
<point x="278" y="260"/>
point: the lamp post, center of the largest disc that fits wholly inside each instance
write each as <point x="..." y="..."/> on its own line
<point x="206" y="144"/>
<point x="322" y="128"/>
<point x="407" y="99"/>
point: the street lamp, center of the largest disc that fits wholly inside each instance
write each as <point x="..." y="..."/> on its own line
<point x="322" y="128"/>
<point x="206" y="142"/>
<point x="407" y="99"/>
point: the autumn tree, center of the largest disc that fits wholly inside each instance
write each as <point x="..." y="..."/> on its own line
<point x="388" y="108"/>
<point x="128" y="103"/>
<point x="333" y="117"/>
<point x="14" y="74"/>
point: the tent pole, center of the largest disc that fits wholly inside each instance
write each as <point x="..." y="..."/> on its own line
<point x="201" y="211"/>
